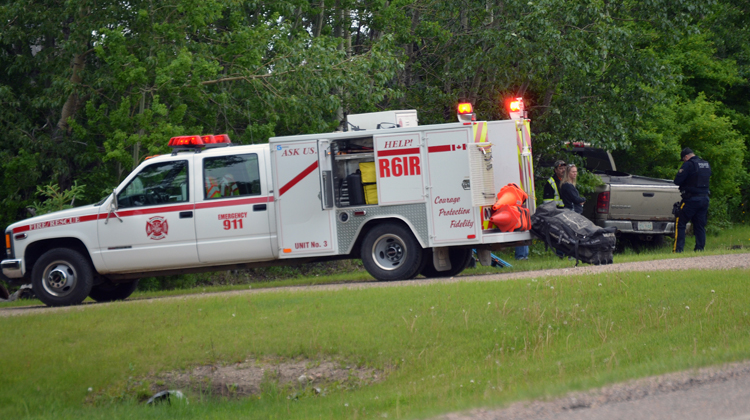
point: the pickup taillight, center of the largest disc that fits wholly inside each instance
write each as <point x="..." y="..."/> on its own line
<point x="602" y="202"/>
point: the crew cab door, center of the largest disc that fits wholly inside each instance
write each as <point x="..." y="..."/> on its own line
<point x="155" y="229"/>
<point x="233" y="208"/>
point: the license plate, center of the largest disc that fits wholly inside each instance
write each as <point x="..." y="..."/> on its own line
<point x="645" y="226"/>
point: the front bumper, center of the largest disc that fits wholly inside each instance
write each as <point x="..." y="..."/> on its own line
<point x="12" y="269"/>
<point x="632" y="226"/>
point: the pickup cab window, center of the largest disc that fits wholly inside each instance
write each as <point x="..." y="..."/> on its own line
<point x="231" y="176"/>
<point x="159" y="183"/>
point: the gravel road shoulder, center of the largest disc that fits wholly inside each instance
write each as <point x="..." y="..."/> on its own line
<point x="709" y="262"/>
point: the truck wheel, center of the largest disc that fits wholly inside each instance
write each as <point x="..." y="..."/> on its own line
<point x="62" y="277"/>
<point x="390" y="252"/>
<point x="108" y="291"/>
<point x="460" y="259"/>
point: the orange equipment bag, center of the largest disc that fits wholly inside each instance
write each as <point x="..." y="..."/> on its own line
<point x="511" y="195"/>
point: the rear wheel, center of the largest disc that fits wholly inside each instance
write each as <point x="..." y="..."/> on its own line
<point x="460" y="259"/>
<point x="108" y="291"/>
<point x="62" y="277"/>
<point x="390" y="252"/>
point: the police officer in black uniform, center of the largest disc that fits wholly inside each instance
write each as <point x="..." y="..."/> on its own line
<point x="693" y="178"/>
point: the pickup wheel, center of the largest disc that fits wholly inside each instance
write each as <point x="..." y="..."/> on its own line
<point x="62" y="277"/>
<point x="390" y="252"/>
<point x="460" y="259"/>
<point x="108" y="291"/>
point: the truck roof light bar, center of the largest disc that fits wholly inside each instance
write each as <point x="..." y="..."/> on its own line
<point x="186" y="142"/>
<point x="218" y="140"/>
<point x="197" y="143"/>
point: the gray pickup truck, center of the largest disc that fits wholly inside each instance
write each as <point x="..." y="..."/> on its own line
<point x="636" y="205"/>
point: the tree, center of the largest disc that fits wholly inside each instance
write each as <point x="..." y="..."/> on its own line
<point x="91" y="88"/>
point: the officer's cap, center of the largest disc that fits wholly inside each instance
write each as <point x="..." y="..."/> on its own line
<point x="686" y="151"/>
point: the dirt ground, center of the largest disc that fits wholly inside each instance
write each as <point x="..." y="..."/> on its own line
<point x="249" y="377"/>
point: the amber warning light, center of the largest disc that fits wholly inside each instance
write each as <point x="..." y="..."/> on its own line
<point x="465" y="108"/>
<point x="466" y="113"/>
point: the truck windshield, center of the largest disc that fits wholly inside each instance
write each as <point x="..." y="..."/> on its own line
<point x="160" y="183"/>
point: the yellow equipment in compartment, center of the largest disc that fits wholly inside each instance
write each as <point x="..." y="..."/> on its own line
<point x="369" y="182"/>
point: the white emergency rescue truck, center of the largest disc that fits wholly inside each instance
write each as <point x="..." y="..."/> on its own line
<point x="406" y="200"/>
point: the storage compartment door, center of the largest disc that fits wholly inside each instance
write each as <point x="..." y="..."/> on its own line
<point x="453" y="218"/>
<point x="304" y="226"/>
<point x="398" y="167"/>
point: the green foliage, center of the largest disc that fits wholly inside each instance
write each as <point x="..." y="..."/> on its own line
<point x="55" y="199"/>
<point x="695" y="124"/>
<point x="606" y="73"/>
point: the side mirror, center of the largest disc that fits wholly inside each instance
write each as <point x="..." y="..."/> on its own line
<point x="113" y="205"/>
<point x="112" y="209"/>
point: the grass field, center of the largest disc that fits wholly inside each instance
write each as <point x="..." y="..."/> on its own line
<point x="440" y="347"/>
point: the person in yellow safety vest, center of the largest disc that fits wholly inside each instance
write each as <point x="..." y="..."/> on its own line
<point x="227" y="187"/>
<point x="552" y="187"/>
<point x="212" y="188"/>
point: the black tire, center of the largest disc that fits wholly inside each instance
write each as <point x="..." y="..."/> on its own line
<point x="108" y="291"/>
<point x="62" y="277"/>
<point x="460" y="259"/>
<point x="390" y="252"/>
<point x="4" y="294"/>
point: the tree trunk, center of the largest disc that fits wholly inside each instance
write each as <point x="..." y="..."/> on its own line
<point x="320" y="19"/>
<point x="71" y="104"/>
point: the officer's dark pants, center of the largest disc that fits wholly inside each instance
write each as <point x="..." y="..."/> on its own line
<point x="693" y="210"/>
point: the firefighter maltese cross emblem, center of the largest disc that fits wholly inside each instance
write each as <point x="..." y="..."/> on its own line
<point x="157" y="228"/>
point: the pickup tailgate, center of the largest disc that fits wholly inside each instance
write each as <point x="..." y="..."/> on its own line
<point x="641" y="198"/>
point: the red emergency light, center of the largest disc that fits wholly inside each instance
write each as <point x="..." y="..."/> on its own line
<point x="186" y="141"/>
<point x="516" y="109"/>
<point x="199" y="142"/>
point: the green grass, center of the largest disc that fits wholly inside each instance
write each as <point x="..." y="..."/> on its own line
<point x="443" y="347"/>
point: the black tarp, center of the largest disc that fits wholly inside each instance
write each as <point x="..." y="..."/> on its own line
<point x="573" y="234"/>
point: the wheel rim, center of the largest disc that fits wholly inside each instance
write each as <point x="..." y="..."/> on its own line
<point x="389" y="251"/>
<point x="59" y="278"/>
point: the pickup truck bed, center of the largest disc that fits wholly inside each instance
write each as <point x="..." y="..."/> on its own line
<point x="636" y="204"/>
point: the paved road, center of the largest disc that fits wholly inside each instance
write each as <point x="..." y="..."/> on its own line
<point x="716" y="393"/>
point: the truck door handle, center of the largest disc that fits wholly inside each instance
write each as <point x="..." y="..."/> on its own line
<point x="648" y="194"/>
<point x="186" y="214"/>
<point x="259" y="207"/>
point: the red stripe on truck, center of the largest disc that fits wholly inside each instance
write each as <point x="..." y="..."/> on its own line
<point x="433" y="149"/>
<point x="298" y="178"/>
<point x="138" y="211"/>
<point x="395" y="152"/>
